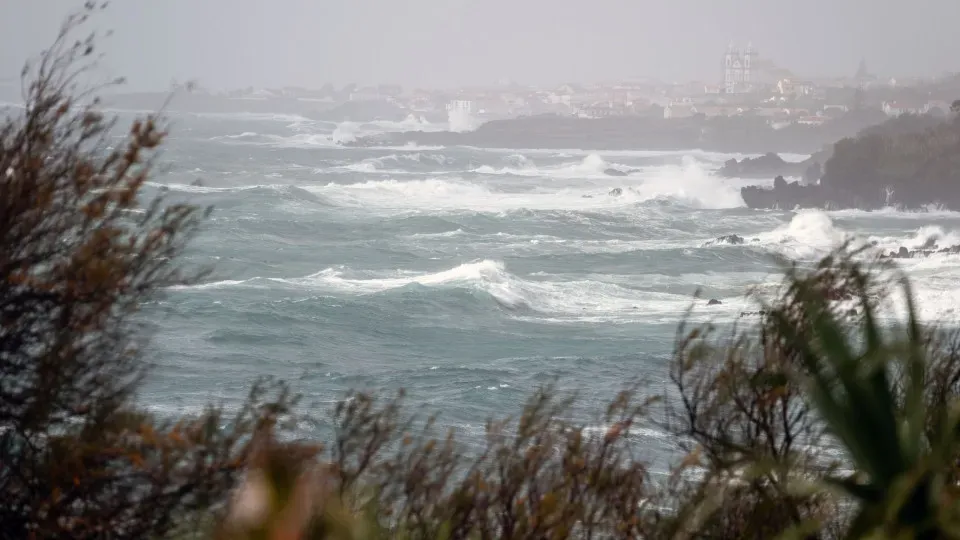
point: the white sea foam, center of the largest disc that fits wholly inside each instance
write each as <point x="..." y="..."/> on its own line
<point x="688" y="185"/>
<point x="384" y="163"/>
<point x="248" y="116"/>
<point x="455" y="194"/>
<point x="412" y="122"/>
<point x="365" y="166"/>
<point x="925" y="237"/>
<point x="590" y="166"/>
<point x="705" y="156"/>
<point x="222" y="284"/>
<point x="577" y="298"/>
<point x="582" y="299"/>
<point x="346" y="132"/>
<point x="925" y="213"/>
<point x="447" y="234"/>
<point x="244" y="135"/>
<point x="810" y="233"/>
<point x="189" y="188"/>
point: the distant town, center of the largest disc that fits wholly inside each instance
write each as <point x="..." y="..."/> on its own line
<point x="746" y="84"/>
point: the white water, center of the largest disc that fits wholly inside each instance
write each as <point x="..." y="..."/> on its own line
<point x="456" y="272"/>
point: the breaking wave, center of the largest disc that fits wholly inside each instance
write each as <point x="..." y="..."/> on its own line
<point x="591" y="165"/>
<point x="389" y="163"/>
<point x="447" y="194"/>
<point x="577" y="298"/>
<point x="809" y="234"/>
<point x="927" y="237"/>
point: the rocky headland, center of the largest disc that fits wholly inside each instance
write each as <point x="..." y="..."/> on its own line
<point x="911" y="162"/>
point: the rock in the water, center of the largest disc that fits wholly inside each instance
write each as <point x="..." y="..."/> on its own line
<point x="733" y="239"/>
<point x="903" y="253"/>
<point x="616" y="192"/>
<point x="614" y="172"/>
<point x="587" y="196"/>
<point x="714" y="302"/>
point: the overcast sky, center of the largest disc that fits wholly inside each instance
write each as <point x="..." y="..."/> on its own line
<point x="237" y="43"/>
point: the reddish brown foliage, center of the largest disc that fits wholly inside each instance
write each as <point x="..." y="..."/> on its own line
<point x="79" y="254"/>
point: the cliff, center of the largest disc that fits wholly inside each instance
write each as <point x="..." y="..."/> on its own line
<point x="909" y="161"/>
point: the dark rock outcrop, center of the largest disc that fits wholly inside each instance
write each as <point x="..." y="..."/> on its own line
<point x="908" y="162"/>
<point x="765" y="166"/>
<point x="615" y="172"/>
<point x="714" y="302"/>
<point x="733" y="239"/>
<point x="616" y="192"/>
<point x="730" y="240"/>
<point x="785" y="195"/>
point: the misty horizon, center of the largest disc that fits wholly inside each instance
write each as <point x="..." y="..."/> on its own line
<point x="446" y="44"/>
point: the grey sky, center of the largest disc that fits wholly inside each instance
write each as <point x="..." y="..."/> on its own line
<point x="234" y="43"/>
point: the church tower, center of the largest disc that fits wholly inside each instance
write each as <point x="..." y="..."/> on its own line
<point x="747" y="66"/>
<point x="737" y="66"/>
<point x="731" y="64"/>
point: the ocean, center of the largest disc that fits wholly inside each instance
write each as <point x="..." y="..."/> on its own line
<point x="467" y="276"/>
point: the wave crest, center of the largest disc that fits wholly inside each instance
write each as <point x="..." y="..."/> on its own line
<point x="585" y="299"/>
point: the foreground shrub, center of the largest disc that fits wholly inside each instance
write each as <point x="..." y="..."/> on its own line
<point x="79" y="254"/>
<point x="537" y="477"/>
<point x="871" y="389"/>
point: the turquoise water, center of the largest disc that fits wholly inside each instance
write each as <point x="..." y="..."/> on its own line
<point x="467" y="276"/>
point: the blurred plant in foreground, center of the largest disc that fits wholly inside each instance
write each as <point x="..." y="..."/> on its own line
<point x="79" y="255"/>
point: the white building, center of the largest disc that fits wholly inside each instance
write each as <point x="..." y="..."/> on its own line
<point x="893" y="108"/>
<point x="462" y="106"/>
<point x="737" y="67"/>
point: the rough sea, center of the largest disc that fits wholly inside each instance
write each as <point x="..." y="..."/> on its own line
<point x="467" y="276"/>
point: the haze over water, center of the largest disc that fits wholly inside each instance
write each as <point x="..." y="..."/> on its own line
<point x="467" y="276"/>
